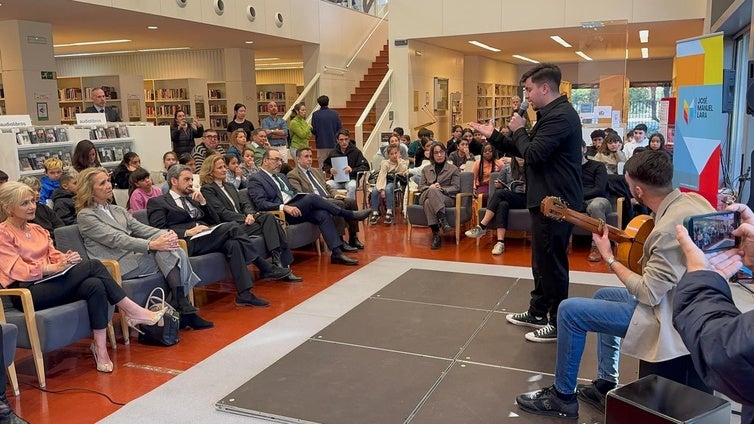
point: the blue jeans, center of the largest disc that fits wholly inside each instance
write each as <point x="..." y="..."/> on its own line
<point x="350" y="187"/>
<point x="609" y="314"/>
<point x="389" y="197"/>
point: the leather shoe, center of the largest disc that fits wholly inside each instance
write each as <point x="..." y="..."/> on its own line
<point x="343" y="260"/>
<point x="248" y="299"/>
<point x="195" y="321"/>
<point x="436" y="241"/>
<point x="594" y="255"/>
<point x="355" y="242"/>
<point x="275" y="273"/>
<point x="362" y="214"/>
<point x="348" y="248"/>
<point x="292" y="278"/>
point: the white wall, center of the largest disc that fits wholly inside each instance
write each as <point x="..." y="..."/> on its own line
<point x="637" y="71"/>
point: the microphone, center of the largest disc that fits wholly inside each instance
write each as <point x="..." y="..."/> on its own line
<point x="522" y="110"/>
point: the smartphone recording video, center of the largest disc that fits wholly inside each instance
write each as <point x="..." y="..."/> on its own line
<point x="713" y="232"/>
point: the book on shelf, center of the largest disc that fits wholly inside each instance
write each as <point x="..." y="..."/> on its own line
<point x="22" y="138"/>
<point x="66" y="158"/>
<point x="62" y="134"/>
<point x="111" y="132"/>
<point x="118" y="153"/>
<point x="33" y="136"/>
<point x="123" y="131"/>
<point x="40" y="160"/>
<point x="106" y="154"/>
<point x="24" y="164"/>
<point x="101" y="133"/>
<point x="215" y="94"/>
<point x="50" y="135"/>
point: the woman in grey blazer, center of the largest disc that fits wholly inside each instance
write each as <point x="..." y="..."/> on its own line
<point x="110" y="232"/>
<point x="440" y="182"/>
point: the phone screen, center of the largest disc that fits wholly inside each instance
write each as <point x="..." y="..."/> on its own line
<point x="189" y="120"/>
<point x="713" y="232"/>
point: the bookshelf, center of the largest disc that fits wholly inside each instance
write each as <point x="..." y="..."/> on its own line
<point x="122" y="91"/>
<point x="217" y="97"/>
<point x="282" y="94"/>
<point x="485" y="101"/>
<point x="503" y="98"/>
<point x="163" y="97"/>
<point x="3" y="110"/>
<point x="456" y="108"/>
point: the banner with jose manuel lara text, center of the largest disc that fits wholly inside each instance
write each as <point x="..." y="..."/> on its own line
<point x="698" y="124"/>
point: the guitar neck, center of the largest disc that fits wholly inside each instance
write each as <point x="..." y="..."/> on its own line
<point x="594" y="225"/>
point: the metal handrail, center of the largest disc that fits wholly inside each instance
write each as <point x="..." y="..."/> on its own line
<point x="359" y="127"/>
<point x="368" y="37"/>
<point x="301" y="96"/>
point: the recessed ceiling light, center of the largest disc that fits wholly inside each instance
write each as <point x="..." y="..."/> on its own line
<point x="249" y="42"/>
<point x="484" y="46"/>
<point x="560" y="41"/>
<point x="164" y="49"/>
<point x="282" y="63"/>
<point x="518" y="56"/>
<point x="152" y="27"/>
<point x="91" y="43"/>
<point x="583" y="55"/>
<point x="644" y="35"/>
<point x="266" y="58"/>
<point x="644" y="52"/>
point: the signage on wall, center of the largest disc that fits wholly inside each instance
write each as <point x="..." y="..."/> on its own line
<point x="90" y="118"/>
<point x="11" y="121"/>
<point x="48" y="75"/>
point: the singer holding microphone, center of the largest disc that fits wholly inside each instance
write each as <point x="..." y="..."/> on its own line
<point x="552" y="153"/>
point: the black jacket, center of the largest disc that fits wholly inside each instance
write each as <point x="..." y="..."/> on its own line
<point x="719" y="337"/>
<point x="594" y="176"/>
<point x="111" y="113"/>
<point x="552" y="152"/>
<point x="356" y="160"/>
<point x="46" y="218"/>
<point x="63" y="205"/>
<point x="121" y="174"/>
<point x="164" y="213"/>
<point x="221" y="205"/>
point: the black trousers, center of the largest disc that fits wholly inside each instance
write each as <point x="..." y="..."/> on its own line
<point x="341" y="223"/>
<point x="230" y="239"/>
<point x="549" y="260"/>
<point x="319" y="211"/>
<point x="267" y="226"/>
<point x="501" y="202"/>
<point x="88" y="280"/>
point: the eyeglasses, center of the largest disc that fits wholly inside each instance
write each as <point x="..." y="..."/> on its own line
<point x="210" y="136"/>
<point x="276" y="159"/>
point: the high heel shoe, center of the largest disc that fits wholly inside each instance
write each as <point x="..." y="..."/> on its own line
<point x="106" y="368"/>
<point x="133" y="322"/>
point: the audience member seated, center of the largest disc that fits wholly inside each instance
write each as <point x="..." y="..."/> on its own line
<point x="394" y="140"/>
<point x="484" y="167"/>
<point x="51" y="179"/>
<point x="461" y="155"/>
<point x="421" y="160"/>
<point x="657" y="142"/>
<point x="208" y="147"/>
<point x="456" y="134"/>
<point x="142" y="189"/>
<point x="27" y="255"/>
<point x="239" y="120"/>
<point x="45" y="217"/>
<point x="391" y="170"/>
<point x="610" y="153"/>
<point x="62" y="199"/>
<point x="307" y="179"/>
<point x="637" y="138"/>
<point x="596" y="202"/>
<point x="356" y="163"/>
<point x="477" y="142"/>
<point x="510" y="193"/>
<point x="110" y="232"/>
<point x="440" y="182"/>
<point x="233" y="172"/>
<point x="259" y="144"/>
<point x="223" y="199"/>
<point x="270" y="190"/>
<point x="168" y="159"/>
<point x="183" y="211"/>
<point x="122" y="172"/>
<point x="598" y="137"/>
<point x="248" y="166"/>
<point x="183" y="133"/>
<point x="237" y="141"/>
<point x="84" y="156"/>
<point x="416" y="145"/>
<point x="3" y="177"/>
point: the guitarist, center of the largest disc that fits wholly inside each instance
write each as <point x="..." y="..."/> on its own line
<point x="640" y="313"/>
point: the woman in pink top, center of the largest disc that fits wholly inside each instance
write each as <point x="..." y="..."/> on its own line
<point x="27" y="255"/>
<point x="141" y="190"/>
<point x="483" y="168"/>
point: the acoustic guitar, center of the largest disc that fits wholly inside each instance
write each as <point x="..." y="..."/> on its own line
<point x="630" y="241"/>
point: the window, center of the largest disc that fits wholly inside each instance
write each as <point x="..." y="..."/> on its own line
<point x="644" y="104"/>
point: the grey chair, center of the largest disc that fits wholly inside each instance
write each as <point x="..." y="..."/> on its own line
<point x="10" y="335"/>
<point x="137" y="289"/>
<point x="458" y="214"/>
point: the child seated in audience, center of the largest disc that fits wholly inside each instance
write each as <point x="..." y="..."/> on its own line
<point x="421" y="159"/>
<point x="53" y="171"/>
<point x="391" y="170"/>
<point x="62" y="198"/>
<point x="141" y="190"/>
<point x="598" y="138"/>
<point x="248" y="167"/>
<point x="233" y="171"/>
<point x="168" y="159"/>
<point x="44" y="216"/>
<point x="610" y="153"/>
<point x="482" y="169"/>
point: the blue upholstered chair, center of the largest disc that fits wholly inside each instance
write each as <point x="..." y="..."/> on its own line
<point x="458" y="214"/>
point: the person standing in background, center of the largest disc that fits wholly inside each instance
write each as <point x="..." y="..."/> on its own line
<point x="183" y="133"/>
<point x="552" y="153"/>
<point x="325" y="125"/>
<point x="99" y="99"/>
<point x="277" y="130"/>
<point x="301" y="131"/>
<point x="240" y="122"/>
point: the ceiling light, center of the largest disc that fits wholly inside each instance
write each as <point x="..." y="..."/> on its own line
<point x="266" y="58"/>
<point x="163" y="49"/>
<point x="282" y="63"/>
<point x="95" y="54"/>
<point x="91" y="43"/>
<point x="583" y="55"/>
<point x="560" y="41"/>
<point x="151" y="27"/>
<point x="518" y="56"/>
<point x="592" y="24"/>
<point x="484" y="46"/>
<point x="644" y="35"/>
<point x="249" y="42"/>
<point x="644" y="52"/>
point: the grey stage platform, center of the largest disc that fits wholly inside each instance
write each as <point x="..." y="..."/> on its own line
<point x="430" y="347"/>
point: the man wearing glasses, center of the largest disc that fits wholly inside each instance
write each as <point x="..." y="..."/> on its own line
<point x="208" y="146"/>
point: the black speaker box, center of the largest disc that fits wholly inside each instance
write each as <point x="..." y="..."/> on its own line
<point x="750" y="89"/>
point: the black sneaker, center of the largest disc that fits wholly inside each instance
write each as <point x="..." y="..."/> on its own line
<point x="591" y="395"/>
<point x="373" y="219"/>
<point x="248" y="299"/>
<point x="547" y="402"/>
<point x="525" y="319"/>
<point x="546" y="334"/>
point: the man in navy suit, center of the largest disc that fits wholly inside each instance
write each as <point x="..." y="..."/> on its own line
<point x="270" y="190"/>
<point x="183" y="210"/>
<point x="99" y="99"/>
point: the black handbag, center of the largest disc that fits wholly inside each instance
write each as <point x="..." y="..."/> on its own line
<point x="165" y="332"/>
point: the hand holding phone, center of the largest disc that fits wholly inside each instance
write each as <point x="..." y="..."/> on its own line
<point x="714" y="231"/>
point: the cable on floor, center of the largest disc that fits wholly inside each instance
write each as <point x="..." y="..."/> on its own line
<point x="73" y="389"/>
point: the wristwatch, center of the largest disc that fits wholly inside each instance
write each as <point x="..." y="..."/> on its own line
<point x="610" y="261"/>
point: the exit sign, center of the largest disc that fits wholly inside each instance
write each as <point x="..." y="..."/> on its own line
<point x="48" y="75"/>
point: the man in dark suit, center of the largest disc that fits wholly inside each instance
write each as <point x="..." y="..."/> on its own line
<point x="183" y="210"/>
<point x="307" y="179"/>
<point x="99" y="99"/>
<point x="270" y="190"/>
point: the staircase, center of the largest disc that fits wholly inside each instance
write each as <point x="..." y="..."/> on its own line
<point x="359" y="99"/>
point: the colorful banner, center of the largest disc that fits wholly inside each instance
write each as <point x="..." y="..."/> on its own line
<point x="698" y="124"/>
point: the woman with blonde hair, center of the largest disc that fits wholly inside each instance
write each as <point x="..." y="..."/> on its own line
<point x="27" y="255"/>
<point x="237" y="141"/>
